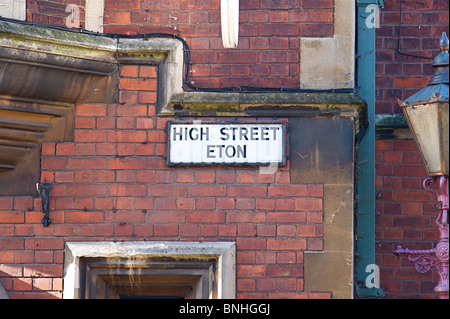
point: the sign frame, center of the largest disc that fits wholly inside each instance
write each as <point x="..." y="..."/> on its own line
<point x="282" y="163"/>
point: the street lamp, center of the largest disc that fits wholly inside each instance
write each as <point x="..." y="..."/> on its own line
<point x="427" y="115"/>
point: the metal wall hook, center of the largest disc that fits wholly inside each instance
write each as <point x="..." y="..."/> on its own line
<point x="44" y="193"/>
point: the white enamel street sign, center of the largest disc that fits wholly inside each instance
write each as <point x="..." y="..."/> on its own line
<point x="231" y="143"/>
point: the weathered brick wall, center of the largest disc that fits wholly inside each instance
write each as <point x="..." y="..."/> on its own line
<point x="405" y="215"/>
<point x="268" y="52"/>
<point x="118" y="149"/>
<point x="405" y="212"/>
<point x="56" y="11"/>
<point x="112" y="183"/>
<point x="420" y="26"/>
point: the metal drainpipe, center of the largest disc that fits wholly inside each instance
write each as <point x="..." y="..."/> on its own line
<point x="365" y="265"/>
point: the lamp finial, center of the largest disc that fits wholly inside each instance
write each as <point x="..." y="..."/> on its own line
<point x="443" y="43"/>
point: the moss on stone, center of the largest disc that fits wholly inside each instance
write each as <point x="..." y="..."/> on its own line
<point x="391" y="121"/>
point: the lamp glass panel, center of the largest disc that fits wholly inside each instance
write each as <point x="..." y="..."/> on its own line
<point x="424" y="121"/>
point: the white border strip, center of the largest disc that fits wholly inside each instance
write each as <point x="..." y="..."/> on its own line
<point x="94" y="15"/>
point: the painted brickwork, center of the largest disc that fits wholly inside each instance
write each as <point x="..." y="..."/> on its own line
<point x="112" y="183"/>
<point x="405" y="212"/>
<point x="55" y="11"/>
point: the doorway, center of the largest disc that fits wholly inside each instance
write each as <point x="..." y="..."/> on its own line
<point x="182" y="270"/>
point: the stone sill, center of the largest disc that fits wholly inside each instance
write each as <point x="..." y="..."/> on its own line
<point x="391" y="126"/>
<point x="265" y="104"/>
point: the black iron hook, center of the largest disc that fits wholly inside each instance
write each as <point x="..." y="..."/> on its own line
<point x="44" y="193"/>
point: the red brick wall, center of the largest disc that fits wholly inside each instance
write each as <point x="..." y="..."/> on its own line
<point x="420" y="25"/>
<point x="112" y="183"/>
<point x="406" y="215"/>
<point x="54" y="11"/>
<point x="268" y="53"/>
<point x="405" y="212"/>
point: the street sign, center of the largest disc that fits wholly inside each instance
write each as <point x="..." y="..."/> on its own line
<point x="230" y="143"/>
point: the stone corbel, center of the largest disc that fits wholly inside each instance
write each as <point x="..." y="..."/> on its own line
<point x="45" y="71"/>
